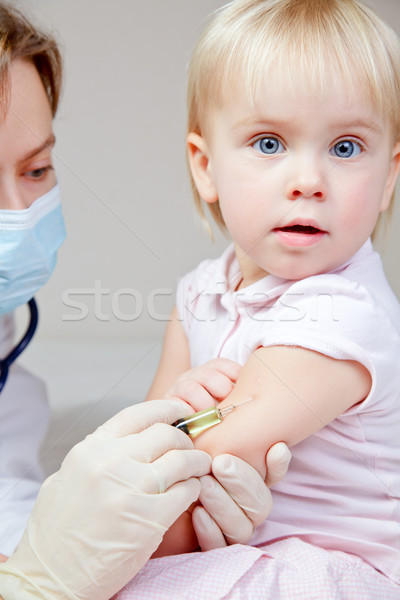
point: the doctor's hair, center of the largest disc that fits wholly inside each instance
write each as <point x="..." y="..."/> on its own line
<point x="20" y="39"/>
<point x="304" y="40"/>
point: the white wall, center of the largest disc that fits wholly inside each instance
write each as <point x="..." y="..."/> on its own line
<point x="120" y="158"/>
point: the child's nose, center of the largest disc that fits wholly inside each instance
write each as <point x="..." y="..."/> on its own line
<point x="307" y="181"/>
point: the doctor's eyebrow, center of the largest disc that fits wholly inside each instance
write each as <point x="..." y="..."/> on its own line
<point x="49" y="143"/>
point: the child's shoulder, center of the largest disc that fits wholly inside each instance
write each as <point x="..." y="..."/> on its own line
<point x="213" y="274"/>
<point x="358" y="286"/>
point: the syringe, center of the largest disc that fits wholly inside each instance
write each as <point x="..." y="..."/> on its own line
<point x="198" y="422"/>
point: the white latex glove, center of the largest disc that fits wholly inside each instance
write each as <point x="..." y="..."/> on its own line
<point x="97" y="521"/>
<point x="236" y="500"/>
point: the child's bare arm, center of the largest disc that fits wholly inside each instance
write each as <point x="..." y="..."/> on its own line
<point x="296" y="392"/>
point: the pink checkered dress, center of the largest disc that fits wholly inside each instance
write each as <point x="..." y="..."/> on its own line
<point x="289" y="569"/>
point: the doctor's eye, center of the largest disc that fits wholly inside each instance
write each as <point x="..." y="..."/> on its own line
<point x="346" y="149"/>
<point x="38" y="173"/>
<point x="268" y="145"/>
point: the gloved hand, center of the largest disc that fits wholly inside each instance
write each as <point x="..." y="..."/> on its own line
<point x="101" y="516"/>
<point x="236" y="499"/>
<point x="206" y="385"/>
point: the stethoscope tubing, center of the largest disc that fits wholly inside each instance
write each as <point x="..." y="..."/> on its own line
<point x="7" y="361"/>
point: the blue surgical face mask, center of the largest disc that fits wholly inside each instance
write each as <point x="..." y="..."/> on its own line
<point x="29" y="240"/>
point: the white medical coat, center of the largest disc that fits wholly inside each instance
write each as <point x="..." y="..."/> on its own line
<point x="24" y="416"/>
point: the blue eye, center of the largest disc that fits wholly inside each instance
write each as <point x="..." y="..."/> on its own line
<point x="268" y="145"/>
<point x="346" y="149"/>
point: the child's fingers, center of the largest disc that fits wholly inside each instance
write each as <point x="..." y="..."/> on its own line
<point x="193" y="393"/>
<point x="206" y="385"/>
<point x="228" y="367"/>
<point x="216" y="383"/>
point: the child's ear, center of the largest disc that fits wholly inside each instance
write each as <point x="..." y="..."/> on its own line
<point x="393" y="174"/>
<point x="200" y="167"/>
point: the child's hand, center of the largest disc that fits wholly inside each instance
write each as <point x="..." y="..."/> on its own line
<point x="207" y="385"/>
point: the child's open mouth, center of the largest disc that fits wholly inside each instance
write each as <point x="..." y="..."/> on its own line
<point x="309" y="229"/>
<point x="299" y="235"/>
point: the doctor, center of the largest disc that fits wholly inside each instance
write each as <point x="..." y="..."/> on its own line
<point x="98" y="520"/>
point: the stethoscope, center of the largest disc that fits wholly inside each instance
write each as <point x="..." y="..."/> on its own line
<point x="6" y="362"/>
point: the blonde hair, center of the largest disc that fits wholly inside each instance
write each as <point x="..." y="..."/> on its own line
<point x="300" y="37"/>
<point x="20" y="39"/>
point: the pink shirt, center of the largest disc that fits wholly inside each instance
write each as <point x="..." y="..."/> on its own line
<point x="343" y="488"/>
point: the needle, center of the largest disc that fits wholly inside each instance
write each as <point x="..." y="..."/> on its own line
<point x="231" y="407"/>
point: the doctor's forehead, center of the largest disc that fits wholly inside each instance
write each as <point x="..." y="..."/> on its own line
<point x="26" y="124"/>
